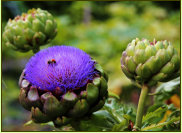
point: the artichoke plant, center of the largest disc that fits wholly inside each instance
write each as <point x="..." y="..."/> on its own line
<point x="30" y="30"/>
<point x="150" y="62"/>
<point x="62" y="83"/>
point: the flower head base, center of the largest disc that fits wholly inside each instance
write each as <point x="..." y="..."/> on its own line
<point x="62" y="83"/>
<point x="149" y="63"/>
<point x="30" y="30"/>
<point x="60" y="66"/>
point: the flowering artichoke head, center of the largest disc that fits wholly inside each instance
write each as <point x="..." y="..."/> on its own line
<point x="62" y="83"/>
<point x="30" y="30"/>
<point x="150" y="62"/>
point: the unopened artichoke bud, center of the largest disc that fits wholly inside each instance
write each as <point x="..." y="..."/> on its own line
<point x="150" y="62"/>
<point x="30" y="30"/>
<point x="62" y="83"/>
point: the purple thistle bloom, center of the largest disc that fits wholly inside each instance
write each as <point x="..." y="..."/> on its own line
<point x="65" y="67"/>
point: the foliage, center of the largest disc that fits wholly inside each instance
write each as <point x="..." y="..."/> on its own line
<point x="162" y="117"/>
<point x="114" y="116"/>
<point x="153" y="120"/>
<point x="111" y="27"/>
<point x="166" y="90"/>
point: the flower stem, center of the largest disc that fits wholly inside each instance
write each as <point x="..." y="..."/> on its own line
<point x="140" y="109"/>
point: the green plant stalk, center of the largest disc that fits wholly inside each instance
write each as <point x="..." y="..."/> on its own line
<point x="140" y="109"/>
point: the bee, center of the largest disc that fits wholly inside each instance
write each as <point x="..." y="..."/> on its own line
<point x="52" y="61"/>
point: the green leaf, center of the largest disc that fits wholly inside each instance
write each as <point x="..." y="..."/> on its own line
<point x="114" y="116"/>
<point x="155" y="113"/>
<point x="166" y="90"/>
<point x="154" y="107"/>
<point x="98" y="121"/>
<point x="28" y="123"/>
<point x="174" y="114"/>
<point x="119" y="110"/>
<point x="154" y="116"/>
<point x="111" y="94"/>
<point x="50" y="123"/>
<point x="121" y="126"/>
<point x="175" y="121"/>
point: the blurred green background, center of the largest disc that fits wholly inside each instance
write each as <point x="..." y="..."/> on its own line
<point x="102" y="29"/>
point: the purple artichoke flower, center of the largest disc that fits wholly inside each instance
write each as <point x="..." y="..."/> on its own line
<point x="65" y="67"/>
<point x="60" y="83"/>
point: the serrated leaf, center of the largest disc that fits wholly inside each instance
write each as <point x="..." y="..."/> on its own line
<point x="169" y="86"/>
<point x="166" y="90"/>
<point x="121" y="126"/>
<point x="119" y="110"/>
<point x="99" y="121"/>
<point x="154" y="116"/>
<point x="175" y="113"/>
<point x="114" y="116"/>
<point x="161" y="126"/>
<point x="154" y="107"/>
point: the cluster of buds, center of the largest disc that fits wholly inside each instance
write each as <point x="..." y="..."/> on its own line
<point x="62" y="83"/>
<point x="30" y="30"/>
<point x="150" y="62"/>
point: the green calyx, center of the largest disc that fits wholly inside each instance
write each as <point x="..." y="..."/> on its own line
<point x="30" y="30"/>
<point x="46" y="106"/>
<point x="150" y="62"/>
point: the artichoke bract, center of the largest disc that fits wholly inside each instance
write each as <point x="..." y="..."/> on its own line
<point x="150" y="62"/>
<point x="62" y="83"/>
<point x="30" y="30"/>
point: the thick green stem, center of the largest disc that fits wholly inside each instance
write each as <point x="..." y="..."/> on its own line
<point x="140" y="109"/>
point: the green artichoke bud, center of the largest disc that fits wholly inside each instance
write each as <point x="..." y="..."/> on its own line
<point x="68" y="87"/>
<point x="150" y="62"/>
<point x="30" y="30"/>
